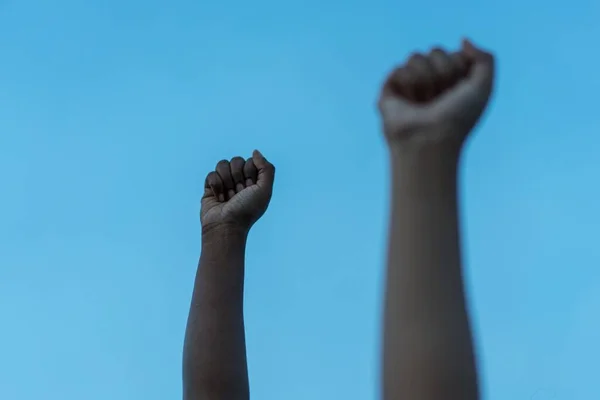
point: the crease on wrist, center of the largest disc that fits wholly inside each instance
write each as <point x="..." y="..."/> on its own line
<point x="424" y="145"/>
<point x="224" y="229"/>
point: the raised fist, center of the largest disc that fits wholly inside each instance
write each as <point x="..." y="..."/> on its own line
<point x="437" y="96"/>
<point x="237" y="192"/>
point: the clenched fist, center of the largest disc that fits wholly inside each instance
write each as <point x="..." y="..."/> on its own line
<point x="237" y="193"/>
<point x="437" y="96"/>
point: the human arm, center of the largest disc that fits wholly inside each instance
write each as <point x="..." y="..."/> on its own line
<point x="214" y="357"/>
<point x="214" y="365"/>
<point x="428" y="347"/>
<point x="428" y="351"/>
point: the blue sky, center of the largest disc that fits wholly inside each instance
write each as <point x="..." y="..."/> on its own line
<point x="111" y="114"/>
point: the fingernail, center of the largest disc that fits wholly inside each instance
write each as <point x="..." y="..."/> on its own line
<point x="467" y="45"/>
<point x="257" y="153"/>
<point x="221" y="197"/>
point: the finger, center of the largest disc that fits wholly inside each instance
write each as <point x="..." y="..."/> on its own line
<point x="460" y="66"/>
<point x="250" y="172"/>
<point x="214" y="186"/>
<point x="225" y="173"/>
<point x="442" y="68"/>
<point x="481" y="71"/>
<point x="236" y="165"/>
<point x="401" y="82"/>
<point x="266" y="170"/>
<point x="423" y="75"/>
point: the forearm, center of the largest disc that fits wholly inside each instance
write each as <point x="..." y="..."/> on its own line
<point x="428" y="346"/>
<point x="214" y="362"/>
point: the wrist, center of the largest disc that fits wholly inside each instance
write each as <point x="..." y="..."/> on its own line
<point x="426" y="155"/>
<point x="435" y="138"/>
<point x="425" y="169"/>
<point x="219" y="232"/>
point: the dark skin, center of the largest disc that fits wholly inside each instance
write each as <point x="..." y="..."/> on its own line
<point x="237" y="193"/>
<point x="429" y="106"/>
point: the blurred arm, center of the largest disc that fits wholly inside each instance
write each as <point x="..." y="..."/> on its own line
<point x="428" y="349"/>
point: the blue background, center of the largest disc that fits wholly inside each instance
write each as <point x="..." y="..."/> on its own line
<point x="111" y="114"/>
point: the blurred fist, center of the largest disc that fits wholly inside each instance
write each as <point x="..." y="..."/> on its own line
<point x="437" y="96"/>
<point x="237" y="192"/>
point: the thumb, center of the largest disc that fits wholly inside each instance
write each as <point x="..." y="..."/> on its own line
<point x="266" y="170"/>
<point x="482" y="66"/>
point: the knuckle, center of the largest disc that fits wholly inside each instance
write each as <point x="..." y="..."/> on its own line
<point x="215" y="184"/>
<point x="459" y="58"/>
<point x="211" y="176"/>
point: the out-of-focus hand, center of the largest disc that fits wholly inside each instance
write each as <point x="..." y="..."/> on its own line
<point x="437" y="96"/>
